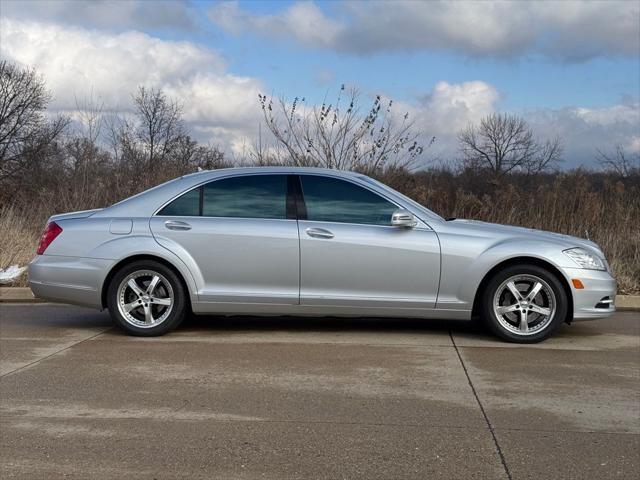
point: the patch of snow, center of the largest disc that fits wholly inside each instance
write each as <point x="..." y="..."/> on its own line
<point x="11" y="273"/>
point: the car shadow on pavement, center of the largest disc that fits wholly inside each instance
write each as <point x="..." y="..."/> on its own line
<point x="624" y="325"/>
<point x="324" y="324"/>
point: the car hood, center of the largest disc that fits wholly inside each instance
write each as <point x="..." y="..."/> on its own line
<point x="511" y="230"/>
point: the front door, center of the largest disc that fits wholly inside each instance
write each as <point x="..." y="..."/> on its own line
<point x="237" y="237"/>
<point x="351" y="256"/>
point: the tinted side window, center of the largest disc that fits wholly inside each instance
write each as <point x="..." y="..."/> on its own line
<point x="186" y="205"/>
<point x="333" y="200"/>
<point x="256" y="196"/>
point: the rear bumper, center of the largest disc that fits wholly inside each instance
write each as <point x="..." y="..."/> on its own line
<point x="599" y="291"/>
<point x="74" y="280"/>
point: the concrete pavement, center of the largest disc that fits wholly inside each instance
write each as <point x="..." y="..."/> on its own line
<point x="280" y="398"/>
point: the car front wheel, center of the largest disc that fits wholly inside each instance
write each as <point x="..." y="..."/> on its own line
<point x="524" y="304"/>
<point x="146" y="298"/>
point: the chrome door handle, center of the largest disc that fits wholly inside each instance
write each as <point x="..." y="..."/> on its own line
<point x="177" y="225"/>
<point x="319" y="233"/>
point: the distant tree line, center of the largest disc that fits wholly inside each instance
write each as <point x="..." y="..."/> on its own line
<point x="98" y="157"/>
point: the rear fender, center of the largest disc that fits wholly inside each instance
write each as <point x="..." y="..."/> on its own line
<point x="143" y="245"/>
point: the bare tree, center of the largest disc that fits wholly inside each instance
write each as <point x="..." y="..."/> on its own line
<point x="90" y="117"/>
<point x="24" y="131"/>
<point x="87" y="163"/>
<point x="83" y="146"/>
<point x="149" y="138"/>
<point x="619" y="162"/>
<point x="338" y="135"/>
<point x="160" y="124"/>
<point x="189" y="155"/>
<point x="503" y="143"/>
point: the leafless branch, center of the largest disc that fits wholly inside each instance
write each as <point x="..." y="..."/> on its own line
<point x="619" y="161"/>
<point x="503" y="143"/>
<point x="338" y="135"/>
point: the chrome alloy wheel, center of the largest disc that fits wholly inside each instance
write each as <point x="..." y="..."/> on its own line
<point x="524" y="304"/>
<point x="145" y="298"/>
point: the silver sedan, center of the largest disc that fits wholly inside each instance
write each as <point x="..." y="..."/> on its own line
<point x="302" y="241"/>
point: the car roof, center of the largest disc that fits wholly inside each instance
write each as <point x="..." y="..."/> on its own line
<point x="273" y="169"/>
<point x="145" y="203"/>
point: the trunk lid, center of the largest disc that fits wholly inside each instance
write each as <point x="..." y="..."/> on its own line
<point x="72" y="215"/>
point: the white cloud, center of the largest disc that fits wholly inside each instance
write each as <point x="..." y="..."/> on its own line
<point x="76" y="62"/>
<point x="584" y="130"/>
<point x="303" y="21"/>
<point x="610" y="116"/>
<point x="454" y="106"/>
<point x="447" y="109"/>
<point x="569" y="30"/>
<point x="175" y="14"/>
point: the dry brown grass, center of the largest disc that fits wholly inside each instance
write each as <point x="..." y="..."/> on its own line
<point x="603" y="208"/>
<point x="19" y="236"/>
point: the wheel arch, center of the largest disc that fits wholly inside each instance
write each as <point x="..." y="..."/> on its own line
<point x="134" y="258"/>
<point x="519" y="261"/>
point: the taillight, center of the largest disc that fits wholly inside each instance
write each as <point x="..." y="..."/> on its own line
<point x="51" y="231"/>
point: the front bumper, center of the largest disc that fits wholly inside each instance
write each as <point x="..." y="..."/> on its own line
<point x="597" y="298"/>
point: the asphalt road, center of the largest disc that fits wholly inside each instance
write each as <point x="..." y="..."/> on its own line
<point x="288" y="398"/>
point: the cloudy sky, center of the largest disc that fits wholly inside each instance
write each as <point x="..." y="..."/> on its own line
<point x="570" y="68"/>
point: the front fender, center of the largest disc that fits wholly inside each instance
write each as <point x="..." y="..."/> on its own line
<point x="550" y="253"/>
<point x="466" y="262"/>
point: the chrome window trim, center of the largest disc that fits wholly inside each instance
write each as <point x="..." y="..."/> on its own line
<point x="421" y="226"/>
<point x="356" y="181"/>
<point x="228" y="218"/>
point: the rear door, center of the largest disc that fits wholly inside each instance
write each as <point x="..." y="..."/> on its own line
<point x="351" y="256"/>
<point x="238" y="237"/>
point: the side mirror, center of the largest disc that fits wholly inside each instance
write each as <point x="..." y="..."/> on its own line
<point x="403" y="219"/>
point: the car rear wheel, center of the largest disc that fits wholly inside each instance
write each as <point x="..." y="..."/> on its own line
<point x="524" y="304"/>
<point x="146" y="298"/>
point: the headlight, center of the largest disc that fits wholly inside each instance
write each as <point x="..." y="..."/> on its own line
<point x="585" y="259"/>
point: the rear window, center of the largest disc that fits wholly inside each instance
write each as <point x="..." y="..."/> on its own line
<point x="257" y="196"/>
<point x="250" y="196"/>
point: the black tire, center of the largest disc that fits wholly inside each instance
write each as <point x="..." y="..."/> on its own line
<point x="489" y="315"/>
<point x="179" y="305"/>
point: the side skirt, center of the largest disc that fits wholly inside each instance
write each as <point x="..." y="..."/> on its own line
<point x="270" y="309"/>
